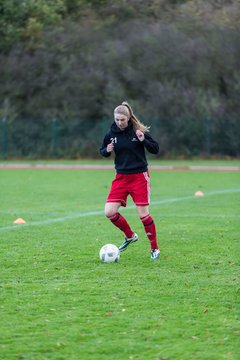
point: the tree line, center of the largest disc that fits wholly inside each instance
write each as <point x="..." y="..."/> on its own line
<point x="176" y="62"/>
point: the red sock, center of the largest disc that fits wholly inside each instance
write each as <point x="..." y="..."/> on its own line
<point x="120" y="222"/>
<point x="150" y="230"/>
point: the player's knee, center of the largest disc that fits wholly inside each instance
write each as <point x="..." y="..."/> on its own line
<point x="109" y="212"/>
<point x="111" y="209"/>
<point x="143" y="211"/>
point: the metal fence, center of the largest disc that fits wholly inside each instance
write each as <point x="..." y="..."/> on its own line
<point x="55" y="138"/>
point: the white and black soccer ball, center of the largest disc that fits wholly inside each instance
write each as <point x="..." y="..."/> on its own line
<point x="109" y="253"/>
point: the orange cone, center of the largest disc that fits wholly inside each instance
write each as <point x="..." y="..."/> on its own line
<point x="19" y="221"/>
<point x="199" y="193"/>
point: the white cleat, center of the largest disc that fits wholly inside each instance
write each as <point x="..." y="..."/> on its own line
<point x="155" y="254"/>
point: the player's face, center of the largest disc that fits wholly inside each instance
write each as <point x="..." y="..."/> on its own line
<point x="121" y="121"/>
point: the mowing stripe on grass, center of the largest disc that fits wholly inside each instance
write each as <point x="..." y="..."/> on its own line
<point x="99" y="212"/>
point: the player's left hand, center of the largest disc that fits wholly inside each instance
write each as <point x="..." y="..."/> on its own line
<point x="140" y="135"/>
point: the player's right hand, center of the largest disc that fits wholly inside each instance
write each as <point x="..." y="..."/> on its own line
<point x="110" y="147"/>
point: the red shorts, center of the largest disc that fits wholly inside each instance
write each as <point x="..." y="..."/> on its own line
<point x="135" y="185"/>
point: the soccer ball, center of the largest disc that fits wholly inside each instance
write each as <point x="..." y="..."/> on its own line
<point x="109" y="253"/>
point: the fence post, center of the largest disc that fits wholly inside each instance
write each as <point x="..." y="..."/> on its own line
<point x="53" y="136"/>
<point x="208" y="135"/>
<point x="4" y="138"/>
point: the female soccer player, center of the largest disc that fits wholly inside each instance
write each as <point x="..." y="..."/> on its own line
<point x="129" y="138"/>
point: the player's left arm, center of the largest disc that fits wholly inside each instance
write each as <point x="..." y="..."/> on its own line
<point x="150" y="144"/>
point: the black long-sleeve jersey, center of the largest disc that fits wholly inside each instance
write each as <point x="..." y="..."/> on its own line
<point x="130" y="157"/>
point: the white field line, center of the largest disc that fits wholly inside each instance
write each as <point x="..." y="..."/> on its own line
<point x="185" y="215"/>
<point x="75" y="215"/>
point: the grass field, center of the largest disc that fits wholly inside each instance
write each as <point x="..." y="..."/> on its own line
<point x="58" y="301"/>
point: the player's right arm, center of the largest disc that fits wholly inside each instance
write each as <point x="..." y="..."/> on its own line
<point x="107" y="146"/>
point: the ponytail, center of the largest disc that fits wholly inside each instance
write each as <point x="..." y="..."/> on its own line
<point x="126" y="110"/>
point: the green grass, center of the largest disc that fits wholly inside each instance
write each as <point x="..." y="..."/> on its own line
<point x="58" y="301"/>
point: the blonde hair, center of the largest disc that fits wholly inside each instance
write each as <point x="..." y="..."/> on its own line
<point x="125" y="109"/>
